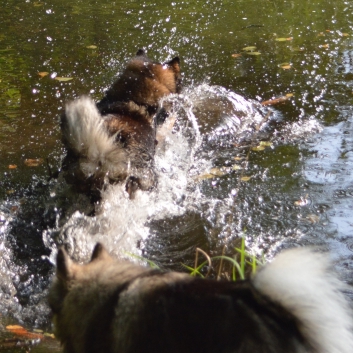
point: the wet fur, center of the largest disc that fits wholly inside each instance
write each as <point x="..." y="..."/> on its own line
<point x="114" y="140"/>
<point x="292" y="305"/>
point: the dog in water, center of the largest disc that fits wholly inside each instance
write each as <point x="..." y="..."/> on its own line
<point x="292" y="305"/>
<point x="114" y="140"/>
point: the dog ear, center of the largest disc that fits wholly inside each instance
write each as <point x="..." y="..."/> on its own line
<point x="174" y="64"/>
<point x="99" y="252"/>
<point x="63" y="266"/>
<point x="141" y="52"/>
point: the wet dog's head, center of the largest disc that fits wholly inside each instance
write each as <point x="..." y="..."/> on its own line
<point x="145" y="82"/>
<point x="82" y="299"/>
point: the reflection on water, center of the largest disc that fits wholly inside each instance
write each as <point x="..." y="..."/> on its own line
<point x="299" y="185"/>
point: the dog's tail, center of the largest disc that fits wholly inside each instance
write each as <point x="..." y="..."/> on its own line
<point x="85" y="135"/>
<point x="303" y="283"/>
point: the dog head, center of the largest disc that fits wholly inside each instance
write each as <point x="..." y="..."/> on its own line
<point x="82" y="298"/>
<point x="145" y="82"/>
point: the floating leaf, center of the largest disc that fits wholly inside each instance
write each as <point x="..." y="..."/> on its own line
<point x="9" y="192"/>
<point x="63" y="79"/>
<point x="345" y="34"/>
<point x="33" y="162"/>
<point x="12" y="166"/>
<point x="324" y="46"/>
<point x="236" y="167"/>
<point x="21" y="331"/>
<point x="284" y="39"/>
<point x="236" y="55"/>
<point x="51" y="335"/>
<point x="43" y="73"/>
<point x="286" y="67"/>
<point x="249" y="48"/>
<point x="313" y="218"/>
<point x="302" y="202"/>
<point x="91" y="47"/>
<point x="37" y="3"/>
<point x="241" y="158"/>
<point x="218" y="171"/>
<point x="289" y="95"/>
<point x="266" y="143"/>
<point x="275" y="100"/>
<point x="253" y="53"/>
<point x="245" y="178"/>
<point x="258" y="148"/>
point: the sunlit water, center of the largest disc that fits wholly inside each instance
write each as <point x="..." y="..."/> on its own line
<point x="201" y="155"/>
<point x="212" y="186"/>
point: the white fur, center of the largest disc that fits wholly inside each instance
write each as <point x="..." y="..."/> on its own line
<point x="87" y="136"/>
<point x="303" y="282"/>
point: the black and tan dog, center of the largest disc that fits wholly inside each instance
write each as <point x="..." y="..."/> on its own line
<point x="114" y="140"/>
<point x="292" y="305"/>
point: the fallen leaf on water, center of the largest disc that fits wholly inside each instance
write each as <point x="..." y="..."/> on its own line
<point x="10" y="191"/>
<point x="12" y="166"/>
<point x="236" y="55"/>
<point x="33" y="162"/>
<point x="289" y="95"/>
<point x="281" y="39"/>
<point x="241" y="158"/>
<point x="43" y="73"/>
<point x="266" y="143"/>
<point x="236" y="167"/>
<point x="63" y="79"/>
<point x="249" y="49"/>
<point x="286" y="67"/>
<point x="345" y="34"/>
<point x="21" y="331"/>
<point x="324" y="46"/>
<point x="245" y="178"/>
<point x="302" y="202"/>
<point x="313" y="218"/>
<point x="91" y="47"/>
<point x="258" y="148"/>
<point x="51" y="335"/>
<point x="275" y="100"/>
<point x="253" y="53"/>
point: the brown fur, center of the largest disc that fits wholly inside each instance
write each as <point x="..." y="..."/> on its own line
<point x="114" y="306"/>
<point x="129" y="113"/>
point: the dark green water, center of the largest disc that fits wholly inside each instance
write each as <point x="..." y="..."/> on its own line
<point x="89" y="41"/>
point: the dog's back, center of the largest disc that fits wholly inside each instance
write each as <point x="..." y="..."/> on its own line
<point x="293" y="305"/>
<point x="114" y="140"/>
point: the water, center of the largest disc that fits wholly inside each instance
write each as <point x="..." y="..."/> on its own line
<point x="300" y="187"/>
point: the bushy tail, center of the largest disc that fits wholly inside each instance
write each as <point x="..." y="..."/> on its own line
<point x="303" y="282"/>
<point x="85" y="134"/>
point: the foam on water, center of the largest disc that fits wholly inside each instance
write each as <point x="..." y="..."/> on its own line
<point x="205" y="123"/>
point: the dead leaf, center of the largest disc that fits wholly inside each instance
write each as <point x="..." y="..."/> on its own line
<point x="249" y="49"/>
<point x="21" y="331"/>
<point x="33" y="162"/>
<point x="12" y="166"/>
<point x="253" y="53"/>
<point x="43" y="73"/>
<point x="245" y="178"/>
<point x="258" y="148"/>
<point x="63" y="79"/>
<point x="286" y="67"/>
<point x="236" y="55"/>
<point x="91" y="47"/>
<point x="324" y="46"/>
<point x="266" y="143"/>
<point x="275" y="100"/>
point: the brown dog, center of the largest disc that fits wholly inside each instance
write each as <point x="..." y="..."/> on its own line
<point x="114" y="140"/>
<point x="292" y="305"/>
